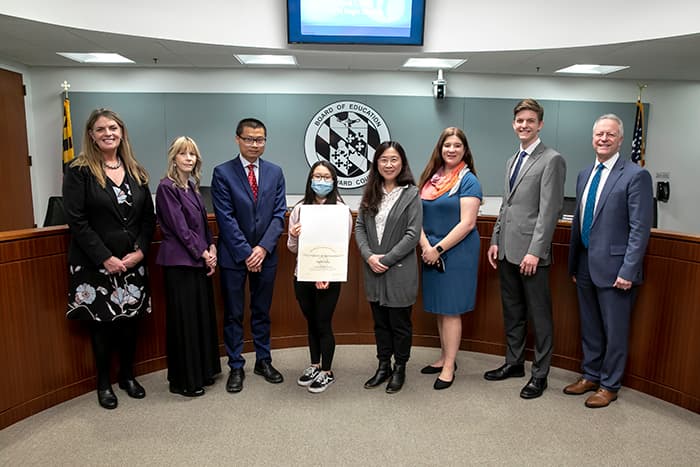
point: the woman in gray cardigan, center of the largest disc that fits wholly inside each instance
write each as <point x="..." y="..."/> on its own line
<point x="387" y="231"/>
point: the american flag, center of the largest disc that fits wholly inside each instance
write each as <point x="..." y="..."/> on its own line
<point x="638" y="148"/>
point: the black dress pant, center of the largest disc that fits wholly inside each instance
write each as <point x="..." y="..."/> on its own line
<point x="393" y="332"/>
<point x="318" y="306"/>
<point x="527" y="298"/>
<point x="117" y="335"/>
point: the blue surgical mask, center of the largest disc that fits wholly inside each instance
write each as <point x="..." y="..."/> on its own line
<point x="322" y="188"/>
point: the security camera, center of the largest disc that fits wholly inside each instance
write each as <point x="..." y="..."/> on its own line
<point x="439" y="86"/>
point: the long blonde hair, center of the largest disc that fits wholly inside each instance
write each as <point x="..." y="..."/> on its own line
<point x="183" y="143"/>
<point x="90" y="155"/>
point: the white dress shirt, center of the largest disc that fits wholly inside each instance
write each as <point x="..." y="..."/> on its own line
<point x="256" y="168"/>
<point x="528" y="150"/>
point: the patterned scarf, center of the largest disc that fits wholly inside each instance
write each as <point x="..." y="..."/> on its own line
<point x="438" y="184"/>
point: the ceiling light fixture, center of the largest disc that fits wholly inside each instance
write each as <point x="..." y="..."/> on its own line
<point x="581" y="69"/>
<point x="434" y="63"/>
<point x="287" y="60"/>
<point x="95" y="57"/>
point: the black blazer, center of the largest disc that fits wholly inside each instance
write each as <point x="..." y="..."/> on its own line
<point x="98" y="229"/>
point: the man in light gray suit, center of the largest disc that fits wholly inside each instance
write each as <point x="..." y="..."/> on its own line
<point x="521" y="247"/>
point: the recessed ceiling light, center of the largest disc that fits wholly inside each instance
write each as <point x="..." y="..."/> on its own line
<point x="267" y="59"/>
<point x="95" y="57"/>
<point x="592" y="69"/>
<point x="434" y="63"/>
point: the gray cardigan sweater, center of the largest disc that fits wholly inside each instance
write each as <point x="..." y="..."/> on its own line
<point x="398" y="286"/>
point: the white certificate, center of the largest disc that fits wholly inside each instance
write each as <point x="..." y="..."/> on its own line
<point x="323" y="243"/>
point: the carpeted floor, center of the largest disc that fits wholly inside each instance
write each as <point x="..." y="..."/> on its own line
<point x="475" y="422"/>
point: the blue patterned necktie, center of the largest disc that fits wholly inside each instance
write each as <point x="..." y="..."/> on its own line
<point x="517" y="168"/>
<point x="590" y="205"/>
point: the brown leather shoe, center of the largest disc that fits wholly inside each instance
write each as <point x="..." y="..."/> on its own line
<point x="581" y="386"/>
<point x="601" y="398"/>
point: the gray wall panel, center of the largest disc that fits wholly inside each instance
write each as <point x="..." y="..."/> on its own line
<point x="211" y="120"/>
<point x="143" y="115"/>
<point x="288" y="115"/>
<point x="154" y="119"/>
<point x="416" y="123"/>
<point x="487" y="124"/>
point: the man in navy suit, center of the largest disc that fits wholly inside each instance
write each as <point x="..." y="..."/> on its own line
<point x="248" y="194"/>
<point x="609" y="236"/>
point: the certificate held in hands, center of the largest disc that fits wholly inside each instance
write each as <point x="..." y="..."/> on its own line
<point x="323" y="243"/>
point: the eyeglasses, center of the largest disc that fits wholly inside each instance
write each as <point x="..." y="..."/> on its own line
<point x="322" y="178"/>
<point x="250" y="141"/>
<point x="387" y="161"/>
<point x="601" y="134"/>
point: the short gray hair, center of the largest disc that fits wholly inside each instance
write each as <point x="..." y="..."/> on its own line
<point x="614" y="118"/>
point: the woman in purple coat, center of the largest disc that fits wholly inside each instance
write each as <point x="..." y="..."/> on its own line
<point x="188" y="256"/>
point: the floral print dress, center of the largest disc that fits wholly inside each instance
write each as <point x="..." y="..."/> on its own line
<point x="99" y="296"/>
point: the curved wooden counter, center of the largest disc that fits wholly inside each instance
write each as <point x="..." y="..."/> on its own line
<point x="46" y="359"/>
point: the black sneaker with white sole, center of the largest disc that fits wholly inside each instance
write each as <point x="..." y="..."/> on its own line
<point x="321" y="383"/>
<point x="308" y="376"/>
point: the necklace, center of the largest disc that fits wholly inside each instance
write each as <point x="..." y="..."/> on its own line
<point x="113" y="167"/>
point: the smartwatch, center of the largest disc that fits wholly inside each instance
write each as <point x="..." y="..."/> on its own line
<point x="439" y="249"/>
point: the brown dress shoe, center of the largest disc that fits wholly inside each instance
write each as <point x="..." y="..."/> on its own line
<point x="601" y="398"/>
<point x="581" y="386"/>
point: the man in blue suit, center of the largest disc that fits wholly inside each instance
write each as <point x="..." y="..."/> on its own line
<point x="609" y="236"/>
<point x="249" y="200"/>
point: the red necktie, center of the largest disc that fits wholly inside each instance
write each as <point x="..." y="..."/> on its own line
<point x="252" y="181"/>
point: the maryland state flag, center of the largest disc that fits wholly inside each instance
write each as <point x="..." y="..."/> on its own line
<point x="638" y="146"/>
<point x="68" y="152"/>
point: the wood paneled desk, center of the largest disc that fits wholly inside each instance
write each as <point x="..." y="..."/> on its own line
<point x="45" y="359"/>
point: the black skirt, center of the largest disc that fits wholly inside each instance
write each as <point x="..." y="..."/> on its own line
<point x="191" y="329"/>
<point x="95" y="295"/>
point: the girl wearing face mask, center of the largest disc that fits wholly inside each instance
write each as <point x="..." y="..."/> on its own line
<point x="317" y="300"/>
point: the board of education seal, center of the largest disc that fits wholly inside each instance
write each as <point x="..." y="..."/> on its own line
<point x="346" y="134"/>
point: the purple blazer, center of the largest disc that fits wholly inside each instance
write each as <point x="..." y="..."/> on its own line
<point x="183" y="222"/>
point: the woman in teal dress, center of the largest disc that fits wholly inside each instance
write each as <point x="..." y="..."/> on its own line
<point x="450" y="244"/>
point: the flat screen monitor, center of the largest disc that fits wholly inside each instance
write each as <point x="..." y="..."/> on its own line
<point x="384" y="22"/>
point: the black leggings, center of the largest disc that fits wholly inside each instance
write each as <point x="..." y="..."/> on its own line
<point x="318" y="307"/>
<point x="106" y="337"/>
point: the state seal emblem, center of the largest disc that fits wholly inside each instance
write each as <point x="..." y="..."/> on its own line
<point x="346" y="134"/>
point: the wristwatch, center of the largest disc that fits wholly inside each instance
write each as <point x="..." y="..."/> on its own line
<point x="439" y="249"/>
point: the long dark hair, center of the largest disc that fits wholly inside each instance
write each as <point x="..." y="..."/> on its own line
<point x="436" y="161"/>
<point x="310" y="197"/>
<point x="372" y="195"/>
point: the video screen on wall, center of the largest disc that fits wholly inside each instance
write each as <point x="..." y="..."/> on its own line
<point x="387" y="22"/>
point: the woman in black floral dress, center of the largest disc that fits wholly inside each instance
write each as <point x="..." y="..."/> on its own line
<point x="111" y="219"/>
